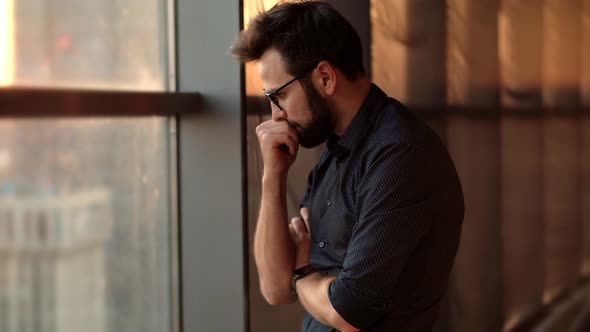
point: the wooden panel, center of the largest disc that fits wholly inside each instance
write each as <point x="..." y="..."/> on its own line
<point x="476" y="280"/>
<point x="561" y="200"/>
<point x="585" y="134"/>
<point x="472" y="81"/>
<point x="585" y="194"/>
<point x="561" y="209"/>
<point x="585" y="53"/>
<point x="520" y="53"/>
<point x="472" y="53"/>
<point x="408" y="50"/>
<point x="522" y="232"/>
<point x="521" y="159"/>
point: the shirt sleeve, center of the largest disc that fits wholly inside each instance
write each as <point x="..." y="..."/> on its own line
<point x="395" y="210"/>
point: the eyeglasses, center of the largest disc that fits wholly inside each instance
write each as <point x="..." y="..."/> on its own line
<point x="271" y="95"/>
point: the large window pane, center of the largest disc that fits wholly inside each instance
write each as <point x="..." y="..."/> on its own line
<point x="85" y="225"/>
<point x="113" y="44"/>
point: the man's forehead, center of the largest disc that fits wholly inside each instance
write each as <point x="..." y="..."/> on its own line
<point x="272" y="68"/>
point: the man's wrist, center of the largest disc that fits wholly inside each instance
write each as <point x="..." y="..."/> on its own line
<point x="274" y="185"/>
<point x="270" y="174"/>
<point x="301" y="273"/>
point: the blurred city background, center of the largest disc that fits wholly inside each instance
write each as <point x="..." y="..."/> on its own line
<point x="85" y="239"/>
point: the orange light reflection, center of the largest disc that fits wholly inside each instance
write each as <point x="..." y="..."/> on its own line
<point x="6" y="42"/>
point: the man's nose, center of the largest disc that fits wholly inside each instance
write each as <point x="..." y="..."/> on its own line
<point x="277" y="113"/>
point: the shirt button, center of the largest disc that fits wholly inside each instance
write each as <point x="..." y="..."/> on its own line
<point x="329" y="203"/>
<point x="321" y="244"/>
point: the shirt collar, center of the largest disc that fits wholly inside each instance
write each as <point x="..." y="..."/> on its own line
<point x="360" y="125"/>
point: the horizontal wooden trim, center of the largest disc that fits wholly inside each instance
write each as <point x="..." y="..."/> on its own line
<point x="474" y="112"/>
<point x="79" y="103"/>
<point x="17" y="102"/>
<point x="259" y="105"/>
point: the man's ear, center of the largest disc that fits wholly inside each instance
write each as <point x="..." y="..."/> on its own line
<point x="326" y="78"/>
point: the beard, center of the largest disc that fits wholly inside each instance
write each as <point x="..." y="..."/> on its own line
<point x="320" y="127"/>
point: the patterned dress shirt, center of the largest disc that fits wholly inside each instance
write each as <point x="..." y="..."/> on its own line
<point x="386" y="209"/>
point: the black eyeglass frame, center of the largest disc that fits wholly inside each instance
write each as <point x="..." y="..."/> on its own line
<point x="270" y="95"/>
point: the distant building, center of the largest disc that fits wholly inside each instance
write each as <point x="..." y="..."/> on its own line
<point x="52" y="273"/>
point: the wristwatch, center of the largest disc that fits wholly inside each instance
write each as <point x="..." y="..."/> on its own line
<point x="300" y="273"/>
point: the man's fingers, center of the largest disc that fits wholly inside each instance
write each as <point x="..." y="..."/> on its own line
<point x="278" y="140"/>
<point x="273" y="127"/>
<point x="305" y="214"/>
<point x="277" y="127"/>
<point x="292" y="230"/>
<point x="298" y="227"/>
<point x="278" y="134"/>
<point x="290" y="143"/>
<point x="292" y="227"/>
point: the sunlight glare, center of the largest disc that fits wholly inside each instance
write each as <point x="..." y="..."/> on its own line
<point x="6" y="42"/>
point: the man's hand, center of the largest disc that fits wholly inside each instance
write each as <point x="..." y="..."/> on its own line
<point x="279" y="144"/>
<point x="300" y="233"/>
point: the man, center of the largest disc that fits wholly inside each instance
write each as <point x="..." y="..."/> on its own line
<point x="381" y="217"/>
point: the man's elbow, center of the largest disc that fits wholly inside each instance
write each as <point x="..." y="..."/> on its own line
<point x="348" y="328"/>
<point x="340" y="324"/>
<point x="277" y="295"/>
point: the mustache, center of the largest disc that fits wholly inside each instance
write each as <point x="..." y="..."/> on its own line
<point x="294" y="125"/>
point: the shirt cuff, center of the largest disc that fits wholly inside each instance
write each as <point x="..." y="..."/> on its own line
<point x="350" y="308"/>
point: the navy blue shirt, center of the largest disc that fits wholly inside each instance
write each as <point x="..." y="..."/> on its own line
<point x="386" y="209"/>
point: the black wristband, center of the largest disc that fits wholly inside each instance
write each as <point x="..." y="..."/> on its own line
<point x="300" y="273"/>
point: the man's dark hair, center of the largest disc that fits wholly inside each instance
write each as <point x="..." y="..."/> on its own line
<point x="304" y="33"/>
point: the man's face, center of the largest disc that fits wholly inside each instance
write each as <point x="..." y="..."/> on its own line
<point x="302" y="106"/>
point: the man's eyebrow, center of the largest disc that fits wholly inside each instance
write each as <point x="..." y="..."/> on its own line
<point x="270" y="91"/>
<point x="273" y="90"/>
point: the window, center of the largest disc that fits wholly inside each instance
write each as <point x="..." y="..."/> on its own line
<point x="111" y="44"/>
<point x="87" y="204"/>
